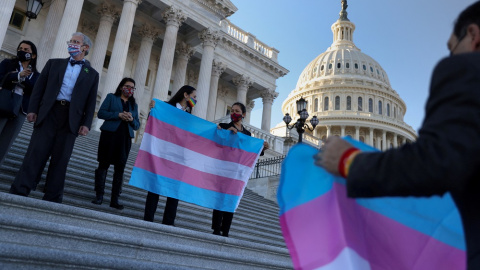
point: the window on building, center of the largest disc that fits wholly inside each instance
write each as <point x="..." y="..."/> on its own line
<point x="337" y="103"/>
<point x="379" y="107"/>
<point x="17" y="19"/>
<point x="360" y="104"/>
<point x="329" y="66"/>
<point x="349" y="103"/>
<point x="356" y="66"/>
<point x="315" y="105"/>
<point x="388" y="109"/>
<point x="364" y="67"/>
<point x="371" y="69"/>
<point x="347" y="65"/>
<point x="106" y="62"/>
<point x="229" y="109"/>
<point x="370" y="105"/>
<point x="321" y="68"/>
<point x="339" y="65"/>
<point x="148" y="78"/>
<point x="395" y="112"/>
<point x="325" y="104"/>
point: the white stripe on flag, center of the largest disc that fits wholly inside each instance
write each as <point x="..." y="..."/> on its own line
<point x="194" y="160"/>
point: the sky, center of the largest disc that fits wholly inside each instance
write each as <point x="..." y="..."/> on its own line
<point x="406" y="37"/>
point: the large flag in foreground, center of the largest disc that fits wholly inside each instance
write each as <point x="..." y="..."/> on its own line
<point x="323" y="229"/>
<point x="188" y="158"/>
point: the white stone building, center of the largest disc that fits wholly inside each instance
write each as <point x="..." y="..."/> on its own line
<point x="162" y="44"/>
<point x="350" y="94"/>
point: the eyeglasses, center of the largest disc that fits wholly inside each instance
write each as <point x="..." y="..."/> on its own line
<point x="129" y="87"/>
<point x="74" y="42"/>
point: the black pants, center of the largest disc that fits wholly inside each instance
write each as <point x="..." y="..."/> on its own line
<point x="52" y="137"/>
<point x="151" y="206"/>
<point x="118" y="168"/>
<point x="222" y="221"/>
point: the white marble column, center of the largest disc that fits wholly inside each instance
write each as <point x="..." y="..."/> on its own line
<point x="268" y="95"/>
<point x="371" y="137"/>
<point x="384" y="140"/>
<point x="217" y="69"/>
<point x="243" y="83"/>
<point x="379" y="143"/>
<point x="5" y="14"/>
<point x="120" y="48"/>
<point x="210" y="39"/>
<point x="342" y="131"/>
<point x="329" y="128"/>
<point x="357" y="133"/>
<point x="68" y="26"/>
<point x="108" y="15"/>
<point x="174" y="17"/>
<point x="148" y="34"/>
<point x="183" y="51"/>
<point x="50" y="30"/>
<point x="395" y="140"/>
<point x="250" y="105"/>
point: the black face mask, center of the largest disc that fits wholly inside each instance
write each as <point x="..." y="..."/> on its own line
<point x="24" y="56"/>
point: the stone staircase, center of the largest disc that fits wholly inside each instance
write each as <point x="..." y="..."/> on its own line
<point x="77" y="234"/>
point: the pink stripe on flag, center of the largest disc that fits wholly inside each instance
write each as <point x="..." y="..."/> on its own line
<point x="199" y="144"/>
<point x="339" y="222"/>
<point x="173" y="170"/>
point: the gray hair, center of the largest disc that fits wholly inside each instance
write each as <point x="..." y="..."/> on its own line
<point x="86" y="40"/>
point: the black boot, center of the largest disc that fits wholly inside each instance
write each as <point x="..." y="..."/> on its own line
<point x="100" y="176"/>
<point x="116" y="187"/>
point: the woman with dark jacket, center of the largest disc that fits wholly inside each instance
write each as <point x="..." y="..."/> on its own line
<point x="184" y="100"/>
<point x="120" y="113"/>
<point x="221" y="221"/>
<point x="19" y="74"/>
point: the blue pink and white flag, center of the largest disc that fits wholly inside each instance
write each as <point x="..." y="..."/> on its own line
<point x="323" y="229"/>
<point x="188" y="158"/>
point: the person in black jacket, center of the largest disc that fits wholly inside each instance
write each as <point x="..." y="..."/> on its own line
<point x="185" y="100"/>
<point x="221" y="220"/>
<point x="20" y="74"/>
<point x="445" y="157"/>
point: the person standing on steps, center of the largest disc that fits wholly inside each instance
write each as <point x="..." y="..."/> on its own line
<point x="61" y="106"/>
<point x="185" y="100"/>
<point x="120" y="113"/>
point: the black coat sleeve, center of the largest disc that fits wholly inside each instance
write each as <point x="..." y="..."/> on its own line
<point x="447" y="153"/>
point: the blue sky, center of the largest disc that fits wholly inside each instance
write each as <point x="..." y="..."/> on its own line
<point x="406" y="37"/>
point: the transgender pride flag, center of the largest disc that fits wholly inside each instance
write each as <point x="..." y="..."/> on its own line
<point x="323" y="229"/>
<point x="188" y="158"/>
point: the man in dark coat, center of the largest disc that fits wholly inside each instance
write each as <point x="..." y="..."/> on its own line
<point x="446" y="156"/>
<point x="61" y="106"/>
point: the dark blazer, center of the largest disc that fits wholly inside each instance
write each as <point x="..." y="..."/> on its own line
<point x="84" y="95"/>
<point x="446" y="155"/>
<point x="111" y="107"/>
<point x="9" y="65"/>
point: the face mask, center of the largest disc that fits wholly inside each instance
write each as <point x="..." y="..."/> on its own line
<point x="24" y="56"/>
<point x="191" y="102"/>
<point x="236" y="117"/>
<point x="128" y="92"/>
<point x="74" y="49"/>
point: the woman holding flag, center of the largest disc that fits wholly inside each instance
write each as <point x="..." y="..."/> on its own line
<point x="185" y="100"/>
<point x="221" y="220"/>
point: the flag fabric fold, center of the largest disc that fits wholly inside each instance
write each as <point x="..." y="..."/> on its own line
<point x="323" y="229"/>
<point x="188" y="158"/>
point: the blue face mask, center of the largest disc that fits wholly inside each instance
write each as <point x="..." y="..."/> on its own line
<point x="74" y="49"/>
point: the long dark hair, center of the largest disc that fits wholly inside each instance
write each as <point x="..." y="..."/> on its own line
<point x="180" y="94"/>
<point x="33" y="61"/>
<point x="118" y="92"/>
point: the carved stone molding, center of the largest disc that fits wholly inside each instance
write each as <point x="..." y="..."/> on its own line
<point x="184" y="50"/>
<point x="209" y="37"/>
<point x="250" y="105"/>
<point x="174" y="16"/>
<point x="268" y="95"/>
<point x="242" y="81"/>
<point x="132" y="49"/>
<point x="149" y="32"/>
<point x="222" y="91"/>
<point x="218" y="68"/>
<point x="88" y="27"/>
<point x="109" y="11"/>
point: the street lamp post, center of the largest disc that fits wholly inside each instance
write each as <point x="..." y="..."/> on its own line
<point x="300" y="125"/>
<point x="33" y="8"/>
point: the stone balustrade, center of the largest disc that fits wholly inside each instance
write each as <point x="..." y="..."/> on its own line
<point x="249" y="39"/>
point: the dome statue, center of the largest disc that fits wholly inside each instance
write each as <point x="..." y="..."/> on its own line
<point x="351" y="95"/>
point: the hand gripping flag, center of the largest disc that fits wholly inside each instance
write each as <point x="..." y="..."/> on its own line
<point x="323" y="229"/>
<point x="188" y="158"/>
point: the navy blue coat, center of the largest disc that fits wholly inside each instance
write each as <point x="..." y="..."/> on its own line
<point x="111" y="107"/>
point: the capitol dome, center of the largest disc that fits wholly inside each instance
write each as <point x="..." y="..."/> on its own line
<point x="351" y="95"/>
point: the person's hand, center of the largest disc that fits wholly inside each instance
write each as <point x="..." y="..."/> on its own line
<point x="31" y="117"/>
<point x="26" y="72"/>
<point x="265" y="145"/>
<point x="83" y="131"/>
<point x="128" y="116"/>
<point x="152" y="104"/>
<point x="234" y="130"/>
<point x="330" y="154"/>
<point x="218" y="127"/>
